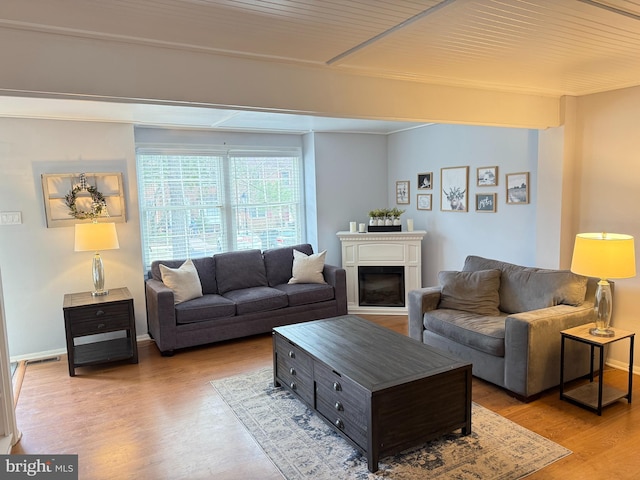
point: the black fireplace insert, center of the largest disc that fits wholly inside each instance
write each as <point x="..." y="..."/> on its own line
<point x="381" y="286"/>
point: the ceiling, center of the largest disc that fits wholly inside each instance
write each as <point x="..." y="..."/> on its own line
<point x="541" y="47"/>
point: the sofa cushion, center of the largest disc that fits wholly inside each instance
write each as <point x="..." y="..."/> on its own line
<point x="484" y="333"/>
<point x="240" y="269"/>
<point x="529" y="288"/>
<point x="206" y="271"/>
<point x="184" y="281"/>
<point x="306" y="293"/>
<point x="475" y="292"/>
<point x="204" y="308"/>
<point x="307" y="268"/>
<point x="257" y="299"/>
<point x="278" y="262"/>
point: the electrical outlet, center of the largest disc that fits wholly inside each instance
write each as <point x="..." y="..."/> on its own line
<point x="10" y="218"/>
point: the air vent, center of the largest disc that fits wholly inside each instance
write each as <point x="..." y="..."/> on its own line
<point x="42" y="360"/>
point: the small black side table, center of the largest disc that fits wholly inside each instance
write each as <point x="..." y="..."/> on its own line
<point x="86" y="315"/>
<point x="595" y="396"/>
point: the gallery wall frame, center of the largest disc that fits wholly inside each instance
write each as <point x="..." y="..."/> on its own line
<point x="517" y="185"/>
<point x="454" y="185"/>
<point x="486" y="202"/>
<point x="425" y="181"/>
<point x="487" y="176"/>
<point x="56" y="187"/>
<point x="423" y="201"/>
<point x="402" y="192"/>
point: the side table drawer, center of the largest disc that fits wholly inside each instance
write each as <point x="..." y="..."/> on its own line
<point x="98" y="319"/>
<point x="294" y="368"/>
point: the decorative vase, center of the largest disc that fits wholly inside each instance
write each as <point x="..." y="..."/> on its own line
<point x="388" y="222"/>
<point x="373" y="221"/>
<point x="396" y="221"/>
<point x="381" y="222"/>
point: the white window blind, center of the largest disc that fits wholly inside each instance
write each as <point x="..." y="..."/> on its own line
<point x="197" y="203"/>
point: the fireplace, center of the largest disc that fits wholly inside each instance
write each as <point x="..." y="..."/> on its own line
<point x="381" y="286"/>
<point x="391" y="263"/>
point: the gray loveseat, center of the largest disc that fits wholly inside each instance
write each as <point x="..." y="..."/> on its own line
<point x="243" y="293"/>
<point x="506" y="320"/>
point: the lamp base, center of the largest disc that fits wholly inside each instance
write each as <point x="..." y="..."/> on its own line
<point x="596" y="332"/>
<point x="100" y="293"/>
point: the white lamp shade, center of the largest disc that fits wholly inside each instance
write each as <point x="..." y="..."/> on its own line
<point x="604" y="255"/>
<point x="96" y="236"/>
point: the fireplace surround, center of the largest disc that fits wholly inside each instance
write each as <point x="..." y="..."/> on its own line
<point x="401" y="250"/>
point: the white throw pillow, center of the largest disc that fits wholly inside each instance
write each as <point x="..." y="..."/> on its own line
<point x="184" y="281"/>
<point x="307" y="268"/>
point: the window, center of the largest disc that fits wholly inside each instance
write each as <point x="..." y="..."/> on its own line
<point x="198" y="203"/>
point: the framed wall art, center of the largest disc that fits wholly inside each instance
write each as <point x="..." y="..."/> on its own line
<point x="402" y="192"/>
<point x="517" y="187"/>
<point x="425" y="181"/>
<point x="487" y="176"/>
<point x="424" y="201"/>
<point x="454" y="185"/>
<point x="486" y="202"/>
<point x="71" y="198"/>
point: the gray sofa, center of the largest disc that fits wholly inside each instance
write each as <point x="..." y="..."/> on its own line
<point x="506" y="320"/>
<point x="244" y="293"/>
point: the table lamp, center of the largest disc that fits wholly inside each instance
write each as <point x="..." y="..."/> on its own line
<point x="93" y="237"/>
<point x="604" y="256"/>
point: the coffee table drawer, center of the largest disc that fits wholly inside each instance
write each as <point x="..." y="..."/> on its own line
<point x="294" y="368"/>
<point x="337" y="387"/>
<point x="345" y="419"/>
<point x="342" y="402"/>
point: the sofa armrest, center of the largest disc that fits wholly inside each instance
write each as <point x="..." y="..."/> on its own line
<point x="532" y="347"/>
<point x="421" y="300"/>
<point x="337" y="278"/>
<point x="161" y="314"/>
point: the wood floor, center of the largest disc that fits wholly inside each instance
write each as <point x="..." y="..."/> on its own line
<point x="161" y="418"/>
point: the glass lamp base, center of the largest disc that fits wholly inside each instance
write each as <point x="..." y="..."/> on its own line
<point x="602" y="310"/>
<point x="596" y="332"/>
<point x="98" y="277"/>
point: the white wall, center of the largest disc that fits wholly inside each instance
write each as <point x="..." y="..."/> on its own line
<point x="351" y="180"/>
<point x="509" y="234"/>
<point x="608" y="140"/>
<point x="353" y="174"/>
<point x="38" y="263"/>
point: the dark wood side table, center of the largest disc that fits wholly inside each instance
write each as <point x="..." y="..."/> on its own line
<point x="595" y="396"/>
<point x="86" y="315"/>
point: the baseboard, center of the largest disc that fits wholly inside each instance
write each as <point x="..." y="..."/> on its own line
<point x="46" y="354"/>
<point x="623" y="366"/>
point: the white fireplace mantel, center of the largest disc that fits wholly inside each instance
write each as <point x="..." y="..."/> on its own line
<point x="380" y="249"/>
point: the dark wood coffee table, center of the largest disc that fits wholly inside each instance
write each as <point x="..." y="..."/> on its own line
<point x="382" y="391"/>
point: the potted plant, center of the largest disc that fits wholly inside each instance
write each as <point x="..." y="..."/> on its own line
<point x="374" y="217"/>
<point x="395" y="215"/>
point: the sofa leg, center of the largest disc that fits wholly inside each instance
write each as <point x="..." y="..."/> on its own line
<point x="167" y="353"/>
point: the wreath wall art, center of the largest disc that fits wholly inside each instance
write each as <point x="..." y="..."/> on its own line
<point x="76" y="197"/>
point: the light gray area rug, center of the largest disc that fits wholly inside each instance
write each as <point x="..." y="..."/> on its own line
<point x="302" y="446"/>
